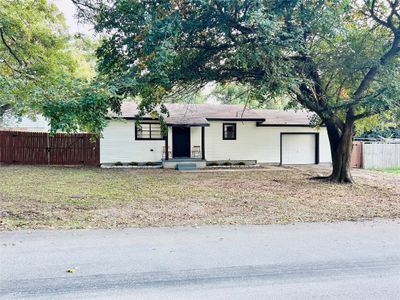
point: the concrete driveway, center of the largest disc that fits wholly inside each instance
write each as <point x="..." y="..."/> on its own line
<point x="302" y="261"/>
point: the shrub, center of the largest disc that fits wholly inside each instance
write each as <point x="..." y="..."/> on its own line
<point x="118" y="163"/>
<point x="227" y="163"/>
<point x="133" y="163"/>
<point x="150" y="163"/>
<point x="241" y="163"/>
<point x="212" y="164"/>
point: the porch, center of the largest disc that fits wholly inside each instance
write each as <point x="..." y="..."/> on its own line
<point x="185" y="144"/>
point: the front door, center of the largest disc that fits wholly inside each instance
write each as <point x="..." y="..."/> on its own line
<point x="180" y="142"/>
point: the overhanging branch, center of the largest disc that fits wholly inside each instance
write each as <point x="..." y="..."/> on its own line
<point x="10" y="50"/>
<point x="390" y="54"/>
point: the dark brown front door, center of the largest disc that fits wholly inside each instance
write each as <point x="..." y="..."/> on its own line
<point x="181" y="142"/>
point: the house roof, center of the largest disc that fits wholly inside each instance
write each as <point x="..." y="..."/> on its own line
<point x="285" y="117"/>
<point x="184" y="114"/>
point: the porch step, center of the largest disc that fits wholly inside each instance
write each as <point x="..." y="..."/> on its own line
<point x="186" y="166"/>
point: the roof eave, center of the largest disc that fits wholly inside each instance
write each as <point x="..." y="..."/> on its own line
<point x="188" y="125"/>
<point x="285" y="125"/>
<point x="236" y="119"/>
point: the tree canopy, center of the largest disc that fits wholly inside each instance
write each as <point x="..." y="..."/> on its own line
<point x="32" y="41"/>
<point x="45" y="70"/>
<point x="153" y="47"/>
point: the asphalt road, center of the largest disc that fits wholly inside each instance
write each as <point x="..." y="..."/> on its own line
<point x="303" y="261"/>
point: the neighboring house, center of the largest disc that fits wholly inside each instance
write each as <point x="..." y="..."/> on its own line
<point x="215" y="132"/>
<point x="38" y="124"/>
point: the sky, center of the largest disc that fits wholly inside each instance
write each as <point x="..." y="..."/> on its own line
<point x="69" y="11"/>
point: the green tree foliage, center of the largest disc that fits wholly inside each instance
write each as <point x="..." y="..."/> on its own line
<point x="44" y="70"/>
<point x="385" y="125"/>
<point x="339" y="59"/>
<point x="83" y="50"/>
<point x="234" y="93"/>
<point x="32" y="40"/>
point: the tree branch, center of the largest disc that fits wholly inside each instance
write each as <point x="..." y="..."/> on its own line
<point x="82" y="4"/>
<point x="365" y="114"/>
<point x="10" y="50"/>
<point x="388" y="23"/>
<point x="391" y="53"/>
<point x="232" y="21"/>
<point x="369" y="77"/>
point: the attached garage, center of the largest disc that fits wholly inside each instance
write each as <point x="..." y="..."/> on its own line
<point x="299" y="148"/>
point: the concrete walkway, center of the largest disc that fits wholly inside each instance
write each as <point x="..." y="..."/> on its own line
<point x="302" y="261"/>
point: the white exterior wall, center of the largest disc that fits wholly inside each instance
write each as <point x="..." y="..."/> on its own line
<point x="252" y="143"/>
<point x="119" y="144"/>
<point x="255" y="143"/>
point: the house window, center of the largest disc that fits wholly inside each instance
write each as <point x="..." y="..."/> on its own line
<point x="148" y="131"/>
<point x="229" y="131"/>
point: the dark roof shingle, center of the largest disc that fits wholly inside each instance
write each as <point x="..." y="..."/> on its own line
<point x="285" y="117"/>
<point x="199" y="114"/>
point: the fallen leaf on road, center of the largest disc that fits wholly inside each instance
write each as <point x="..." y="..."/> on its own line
<point x="71" y="270"/>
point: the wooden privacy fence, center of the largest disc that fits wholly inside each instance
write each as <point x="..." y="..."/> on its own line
<point x="41" y="148"/>
<point x="356" y="155"/>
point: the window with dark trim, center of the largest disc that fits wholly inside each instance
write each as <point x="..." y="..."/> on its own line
<point x="148" y="131"/>
<point x="229" y="131"/>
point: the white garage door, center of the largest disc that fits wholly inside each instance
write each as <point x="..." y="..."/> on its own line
<point x="298" y="149"/>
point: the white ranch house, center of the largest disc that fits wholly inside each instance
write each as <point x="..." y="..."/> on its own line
<point x="213" y="132"/>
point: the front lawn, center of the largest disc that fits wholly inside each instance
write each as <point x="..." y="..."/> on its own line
<point x="56" y="197"/>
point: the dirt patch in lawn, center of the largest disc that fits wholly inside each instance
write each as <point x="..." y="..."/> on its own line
<point x="54" y="197"/>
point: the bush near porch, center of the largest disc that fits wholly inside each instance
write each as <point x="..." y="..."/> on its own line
<point x="57" y="197"/>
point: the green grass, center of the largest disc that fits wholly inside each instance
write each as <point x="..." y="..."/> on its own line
<point x="395" y="170"/>
<point x="58" y="197"/>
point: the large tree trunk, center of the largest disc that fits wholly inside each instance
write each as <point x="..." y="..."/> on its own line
<point x="341" y="149"/>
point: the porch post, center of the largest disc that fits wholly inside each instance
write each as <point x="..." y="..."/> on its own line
<point x="166" y="146"/>
<point x="203" y="150"/>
